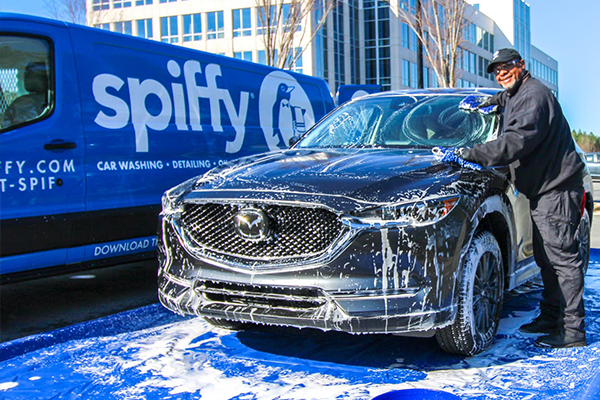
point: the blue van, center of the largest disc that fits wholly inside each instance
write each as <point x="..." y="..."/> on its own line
<point x="95" y="126"/>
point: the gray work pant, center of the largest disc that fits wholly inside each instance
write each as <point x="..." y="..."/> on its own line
<point x="556" y="216"/>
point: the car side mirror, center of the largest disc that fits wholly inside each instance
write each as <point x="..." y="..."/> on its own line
<point x="293" y="140"/>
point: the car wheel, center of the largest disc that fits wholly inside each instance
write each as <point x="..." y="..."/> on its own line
<point x="480" y="299"/>
<point x="583" y="238"/>
<point x="225" y="324"/>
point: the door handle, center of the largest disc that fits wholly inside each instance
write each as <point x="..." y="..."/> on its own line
<point x="56" y="145"/>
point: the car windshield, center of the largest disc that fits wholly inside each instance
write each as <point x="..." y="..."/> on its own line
<point x="403" y="121"/>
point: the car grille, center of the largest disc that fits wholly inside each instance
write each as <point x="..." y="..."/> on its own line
<point x="299" y="298"/>
<point x="297" y="232"/>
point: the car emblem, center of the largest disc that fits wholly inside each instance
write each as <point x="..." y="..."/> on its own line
<point x="252" y="224"/>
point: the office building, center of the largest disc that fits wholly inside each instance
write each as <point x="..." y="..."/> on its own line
<point x="362" y="41"/>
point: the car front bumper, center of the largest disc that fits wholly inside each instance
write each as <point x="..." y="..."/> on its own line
<point x="394" y="280"/>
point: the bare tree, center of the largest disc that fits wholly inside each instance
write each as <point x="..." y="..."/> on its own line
<point x="67" y="10"/>
<point x="282" y="27"/>
<point x="439" y="26"/>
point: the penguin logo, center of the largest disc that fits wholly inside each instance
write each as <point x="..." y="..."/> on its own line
<point x="284" y="109"/>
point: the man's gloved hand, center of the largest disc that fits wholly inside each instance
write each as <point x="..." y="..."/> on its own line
<point x="456" y="156"/>
<point x="460" y="152"/>
<point x="478" y="103"/>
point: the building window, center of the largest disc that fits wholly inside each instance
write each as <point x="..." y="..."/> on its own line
<point x="168" y="30"/>
<point x="98" y="5"/>
<point x="405" y="73"/>
<point x="468" y="62"/>
<point x="168" y="1"/>
<point x="243" y="55"/>
<point x="121" y="3"/>
<point x="105" y="27"/>
<point x="292" y="65"/>
<point x="242" y="22"/>
<point x="409" y="38"/>
<point x="144" y="28"/>
<point x="216" y="29"/>
<point x="123" y="27"/>
<point x="407" y="5"/>
<point x="262" y="57"/>
<point x="143" y="2"/>
<point x="481" y="70"/>
<point x="405" y="35"/>
<point x="192" y="27"/>
<point x="414" y="75"/>
<point x="297" y="67"/>
<point x="262" y="20"/>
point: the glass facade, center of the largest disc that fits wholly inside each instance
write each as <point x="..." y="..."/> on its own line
<point x="354" y="32"/>
<point x="522" y="29"/>
<point x="544" y="72"/>
<point x="320" y="43"/>
<point x="377" y="43"/>
<point x="338" y="46"/>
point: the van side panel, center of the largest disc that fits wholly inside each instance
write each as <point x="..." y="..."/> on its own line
<point x="152" y="115"/>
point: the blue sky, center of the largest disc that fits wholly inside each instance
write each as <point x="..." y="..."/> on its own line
<point x="567" y="31"/>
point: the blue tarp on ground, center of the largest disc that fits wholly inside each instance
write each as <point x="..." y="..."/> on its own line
<point x="151" y="353"/>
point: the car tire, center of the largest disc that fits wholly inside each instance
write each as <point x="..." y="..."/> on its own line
<point x="226" y="324"/>
<point x="583" y="238"/>
<point x="480" y="299"/>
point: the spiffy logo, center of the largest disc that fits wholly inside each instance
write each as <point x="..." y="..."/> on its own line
<point x="220" y="102"/>
<point x="284" y="109"/>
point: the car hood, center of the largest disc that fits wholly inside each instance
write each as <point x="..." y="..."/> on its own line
<point x="371" y="176"/>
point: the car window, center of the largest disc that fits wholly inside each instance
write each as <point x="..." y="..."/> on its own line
<point x="350" y="126"/>
<point x="24" y="80"/>
<point x="403" y="121"/>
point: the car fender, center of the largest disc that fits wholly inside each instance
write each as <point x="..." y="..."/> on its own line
<point x="495" y="214"/>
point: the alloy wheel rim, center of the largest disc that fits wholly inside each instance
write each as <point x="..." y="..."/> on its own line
<point x="486" y="289"/>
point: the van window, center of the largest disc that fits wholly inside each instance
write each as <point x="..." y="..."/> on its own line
<point x="25" y="90"/>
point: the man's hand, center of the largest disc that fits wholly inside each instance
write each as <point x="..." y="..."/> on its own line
<point x="461" y="152"/>
<point x="478" y="103"/>
<point x="455" y="156"/>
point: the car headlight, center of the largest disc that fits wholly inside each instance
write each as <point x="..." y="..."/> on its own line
<point x="170" y="197"/>
<point x="411" y="213"/>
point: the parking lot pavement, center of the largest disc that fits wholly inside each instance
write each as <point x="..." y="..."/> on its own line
<point x="152" y="353"/>
<point x="45" y="304"/>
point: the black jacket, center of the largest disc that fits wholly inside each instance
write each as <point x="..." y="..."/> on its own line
<point x="536" y="141"/>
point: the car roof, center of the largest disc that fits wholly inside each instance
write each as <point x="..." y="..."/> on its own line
<point x="436" y="91"/>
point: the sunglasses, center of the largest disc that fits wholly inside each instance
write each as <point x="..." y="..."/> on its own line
<point x="507" y="66"/>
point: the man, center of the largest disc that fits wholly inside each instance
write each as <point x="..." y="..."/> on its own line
<point x="538" y="146"/>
